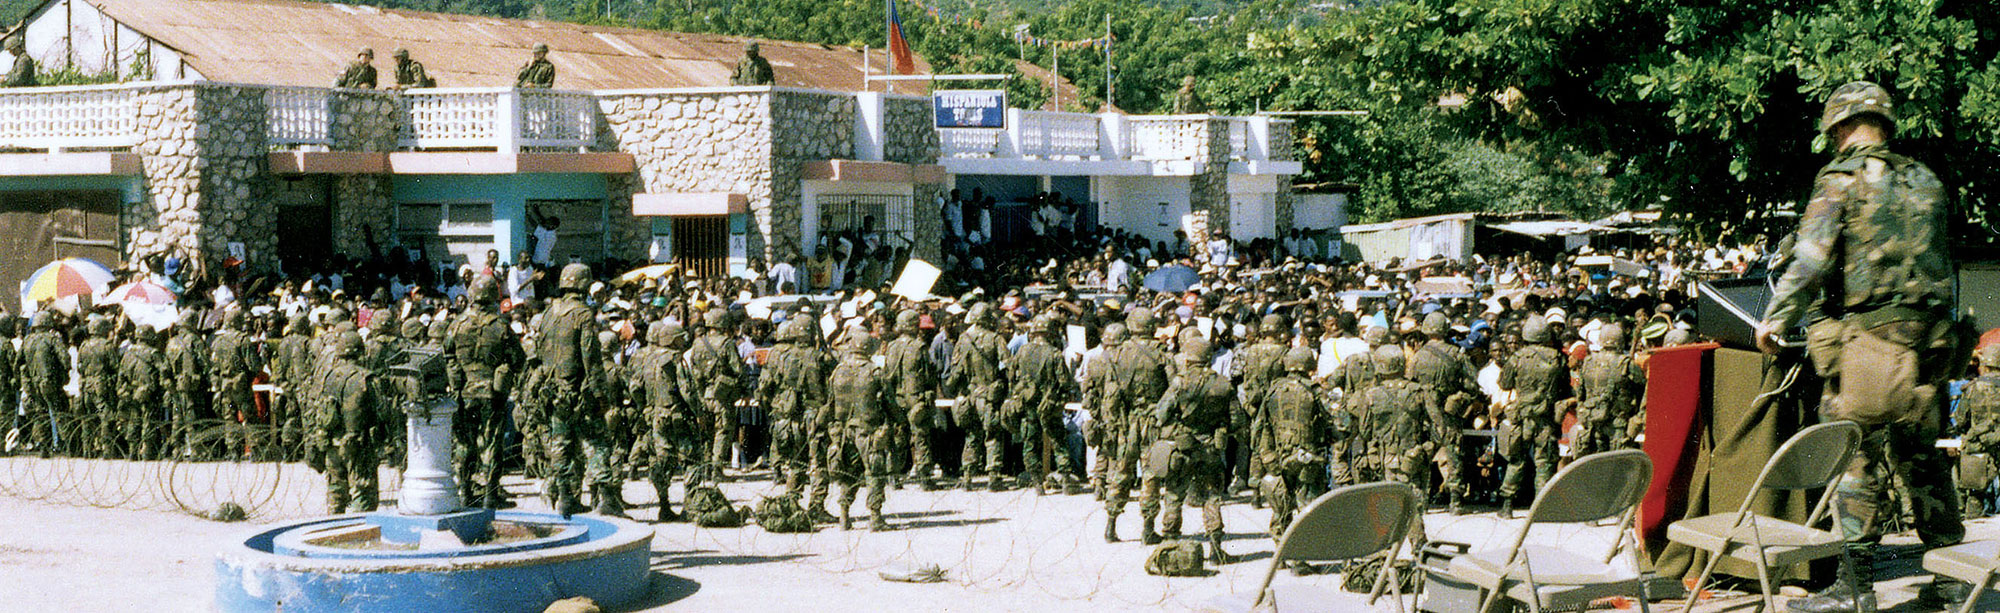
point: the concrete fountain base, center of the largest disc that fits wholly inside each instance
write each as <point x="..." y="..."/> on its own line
<point x="355" y="563"/>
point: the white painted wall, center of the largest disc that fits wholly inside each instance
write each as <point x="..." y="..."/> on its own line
<point x="811" y="191"/>
<point x="1319" y="211"/>
<point x="74" y="33"/>
<point x="1152" y="207"/>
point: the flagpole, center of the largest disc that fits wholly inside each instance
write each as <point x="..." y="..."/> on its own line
<point x="1107" y="61"/>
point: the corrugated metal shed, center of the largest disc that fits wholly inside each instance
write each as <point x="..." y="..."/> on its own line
<point x="284" y="42"/>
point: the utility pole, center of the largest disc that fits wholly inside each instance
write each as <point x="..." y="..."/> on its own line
<point x="1107" y="61"/>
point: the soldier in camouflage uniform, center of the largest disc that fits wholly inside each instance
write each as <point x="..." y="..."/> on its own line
<point x="713" y="362"/>
<point x="531" y="418"/>
<point x="1399" y="425"/>
<point x="142" y="390"/>
<point x="1193" y="417"/>
<point x="1140" y="374"/>
<point x="96" y="399"/>
<point x="790" y="388"/>
<point x="10" y="376"/>
<point x="1609" y="396"/>
<point x="45" y="370"/>
<point x="291" y="368"/>
<point x="1100" y="387"/>
<point x="614" y="400"/>
<point x="1872" y="242"/>
<point x="572" y="365"/>
<point x="1260" y="364"/>
<point x="912" y="381"/>
<point x="860" y="414"/>
<point x="1039" y="384"/>
<point x="1978" y="420"/>
<point x="1351" y="462"/>
<point x="978" y="371"/>
<point x="481" y="358"/>
<point x="350" y="423"/>
<point x="384" y="350"/>
<point x="670" y="437"/>
<point x="538" y="73"/>
<point x="232" y="360"/>
<point x="187" y="353"/>
<point x="1539" y="377"/>
<point x="1450" y="386"/>
<point x="1296" y="424"/>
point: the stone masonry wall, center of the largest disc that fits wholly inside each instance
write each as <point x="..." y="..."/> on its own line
<point x="807" y="126"/>
<point x="167" y="221"/>
<point x="912" y="138"/>
<point x="1208" y="189"/>
<point x="206" y="177"/>
<point x="715" y="141"/>
<point x="362" y="120"/>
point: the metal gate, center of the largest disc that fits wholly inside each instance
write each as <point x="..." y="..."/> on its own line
<point x="37" y="227"/>
<point x="701" y="244"/>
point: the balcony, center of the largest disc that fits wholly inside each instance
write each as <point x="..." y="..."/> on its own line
<point x="56" y="119"/>
<point x="502" y="119"/>
<point x="1046" y="142"/>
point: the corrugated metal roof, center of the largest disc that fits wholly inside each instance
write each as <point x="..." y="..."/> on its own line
<point x="285" y="42"/>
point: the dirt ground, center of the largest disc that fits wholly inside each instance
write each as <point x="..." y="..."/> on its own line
<point x="1008" y="551"/>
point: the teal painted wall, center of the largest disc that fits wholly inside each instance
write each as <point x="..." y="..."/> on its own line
<point x="508" y="193"/>
<point x="132" y="188"/>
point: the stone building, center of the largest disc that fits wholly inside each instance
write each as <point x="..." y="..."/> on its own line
<point x="222" y="143"/>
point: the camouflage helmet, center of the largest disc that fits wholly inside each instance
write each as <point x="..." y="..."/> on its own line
<point x="8" y="324"/>
<point x="1140" y="321"/>
<point x="1049" y="324"/>
<point x="1375" y="335"/>
<point x="298" y="325"/>
<point x="858" y="342"/>
<point x="386" y="326"/>
<point x="1434" y="325"/>
<point x="235" y="319"/>
<point x="979" y="315"/>
<point x="440" y="328"/>
<point x="714" y="318"/>
<point x="656" y="334"/>
<point x="1115" y="334"/>
<point x="100" y="326"/>
<point x="1854" y="99"/>
<point x="145" y="335"/>
<point x="1194" y="345"/>
<point x="541" y="47"/>
<point x="347" y="345"/>
<point x="790" y="331"/>
<point x="608" y="340"/>
<point x="1535" y="331"/>
<point x="1389" y="361"/>
<point x="401" y="53"/>
<point x="575" y="277"/>
<point x="1299" y="359"/>
<point x="414" y="329"/>
<point x="909" y="322"/>
<point x="1612" y="337"/>
<point x="1989" y="357"/>
<point x="484" y="289"/>
<point x="189" y="320"/>
<point x="1274" y="325"/>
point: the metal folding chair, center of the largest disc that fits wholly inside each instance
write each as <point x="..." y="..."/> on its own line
<point x="1592" y="489"/>
<point x="1974" y="563"/>
<point x="1813" y="458"/>
<point x="1349" y="523"/>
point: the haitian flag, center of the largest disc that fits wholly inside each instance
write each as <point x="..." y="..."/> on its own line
<point x="901" y="60"/>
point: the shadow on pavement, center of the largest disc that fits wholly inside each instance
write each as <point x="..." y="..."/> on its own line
<point x="673" y="560"/>
<point x="665" y="590"/>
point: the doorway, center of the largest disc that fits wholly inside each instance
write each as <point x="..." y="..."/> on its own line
<point x="701" y="244"/>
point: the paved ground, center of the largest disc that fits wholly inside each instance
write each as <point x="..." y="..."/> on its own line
<point x="1009" y="551"/>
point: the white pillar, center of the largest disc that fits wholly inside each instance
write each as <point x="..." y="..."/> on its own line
<point x="428" y="486"/>
<point x="869" y="130"/>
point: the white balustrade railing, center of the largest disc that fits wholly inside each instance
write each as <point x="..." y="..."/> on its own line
<point x="1053" y="135"/>
<point x="969" y="142"/>
<point x="504" y="119"/>
<point x="298" y="116"/>
<point x="1163" y="138"/>
<point x="1239" y="138"/>
<point x="57" y="118"/>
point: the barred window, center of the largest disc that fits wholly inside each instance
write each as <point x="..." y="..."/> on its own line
<point x="846" y="214"/>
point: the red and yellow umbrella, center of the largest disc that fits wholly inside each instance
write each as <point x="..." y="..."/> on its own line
<point x="64" y="278"/>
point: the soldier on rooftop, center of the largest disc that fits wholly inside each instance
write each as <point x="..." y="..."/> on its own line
<point x="753" y="69"/>
<point x="410" y="73"/>
<point x="361" y="73"/>
<point x="539" y="73"/>
<point x="23" y="73"/>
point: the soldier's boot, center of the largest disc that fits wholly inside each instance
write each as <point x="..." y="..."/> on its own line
<point x="996" y="483"/>
<point x="1097" y="488"/>
<point x="1454" y="504"/>
<point x="965" y="481"/>
<point x="846" y="520"/>
<point x="875" y="521"/>
<point x="1852" y="592"/>
<point x="568" y="505"/>
<point x="1944" y="592"/>
<point x="1146" y="534"/>
<point x="1506" y="507"/>
<point x="1111" y="528"/>
<point x="1215" y="552"/>
<point x="1070" y="487"/>
<point x="608" y="502"/>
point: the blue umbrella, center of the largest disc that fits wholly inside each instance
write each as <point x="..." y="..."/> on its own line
<point x="1175" y="278"/>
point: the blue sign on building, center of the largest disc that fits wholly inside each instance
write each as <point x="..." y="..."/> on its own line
<point x="970" y="108"/>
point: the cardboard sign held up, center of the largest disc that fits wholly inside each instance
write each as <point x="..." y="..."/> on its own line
<point x="916" y="281"/>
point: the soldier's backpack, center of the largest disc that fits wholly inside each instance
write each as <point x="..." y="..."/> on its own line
<point x="1176" y="559"/>
<point x="783" y="514"/>
<point x="708" y="508"/>
<point x="1360" y="576"/>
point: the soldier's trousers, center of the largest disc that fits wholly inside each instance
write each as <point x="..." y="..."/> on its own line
<point x="1056" y="435"/>
<point x="789" y="454"/>
<point x="1288" y="487"/>
<point x="96" y="419"/>
<point x="1451" y="436"/>
<point x="234" y="405"/>
<point x="475" y="459"/>
<point x="1132" y="442"/>
<point x="531" y="420"/>
<point x="578" y="451"/>
<point x="975" y="416"/>
<point x="721" y="407"/>
<point x="671" y="441"/>
<point x="1105" y="439"/>
<point x="1910" y="452"/>
<point x="1536" y="442"/>
<point x="860" y="457"/>
<point x="920" y="409"/>
<point x="350" y="463"/>
<point x="1604" y="432"/>
<point x="1194" y="480"/>
<point x="285" y="424"/>
<point x="41" y="412"/>
<point x="133" y="436"/>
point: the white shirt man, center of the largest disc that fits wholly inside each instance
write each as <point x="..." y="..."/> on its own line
<point x="784" y="278"/>
<point x="545" y="244"/>
<point x="1116" y="274"/>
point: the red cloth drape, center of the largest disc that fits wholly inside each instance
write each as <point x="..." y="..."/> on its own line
<point x="1676" y="394"/>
